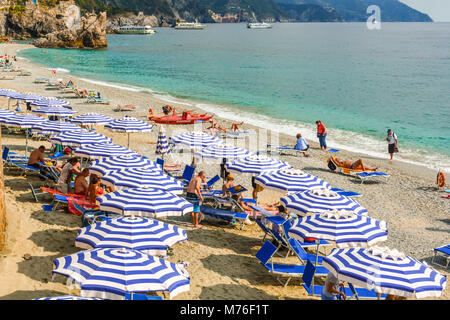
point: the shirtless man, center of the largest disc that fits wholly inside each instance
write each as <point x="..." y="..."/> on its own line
<point x="81" y="186"/>
<point x="194" y="196"/>
<point x="228" y="184"/>
<point x="37" y="156"/>
<point x="357" y="165"/>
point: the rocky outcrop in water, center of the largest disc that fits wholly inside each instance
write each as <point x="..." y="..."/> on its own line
<point x="89" y="33"/>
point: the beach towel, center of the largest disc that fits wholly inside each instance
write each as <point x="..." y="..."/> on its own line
<point x="84" y="203"/>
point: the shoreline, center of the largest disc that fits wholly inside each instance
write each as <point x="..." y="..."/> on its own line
<point x="222" y="257"/>
<point x="230" y="113"/>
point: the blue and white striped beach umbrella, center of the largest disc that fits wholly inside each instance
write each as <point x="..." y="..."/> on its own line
<point x="54" y="111"/>
<point x="345" y="228"/>
<point x="5" y="114"/>
<point x="79" y="137"/>
<point x="7" y="92"/>
<point x="320" y="200"/>
<point x="223" y="151"/>
<point x="23" y="122"/>
<point x="102" y="150"/>
<point x="256" y="164"/>
<point x="67" y="298"/>
<point x="91" y="119"/>
<point x="150" y="236"/>
<point x="50" y="102"/>
<point x="144" y="201"/>
<point x="142" y="177"/>
<point x="196" y="139"/>
<point x="112" y="273"/>
<point x="386" y="271"/>
<point x="162" y="145"/>
<point x="28" y="97"/>
<point x="128" y="125"/>
<point x="290" y="180"/>
<point x="102" y="166"/>
<point x="55" y="127"/>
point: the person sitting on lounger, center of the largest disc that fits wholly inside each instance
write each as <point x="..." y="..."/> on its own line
<point x="80" y="184"/>
<point x="37" y="156"/>
<point x="301" y="145"/>
<point x="214" y="127"/>
<point x="229" y="183"/>
<point x="235" y="126"/>
<point x="357" y="165"/>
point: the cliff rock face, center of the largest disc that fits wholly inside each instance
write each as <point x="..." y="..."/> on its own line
<point x="90" y="32"/>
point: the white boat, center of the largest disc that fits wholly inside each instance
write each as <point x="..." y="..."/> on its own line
<point x="259" y="25"/>
<point x="190" y="25"/>
<point x="129" y="29"/>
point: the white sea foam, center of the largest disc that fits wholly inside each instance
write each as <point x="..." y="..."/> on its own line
<point x="60" y="70"/>
<point x="119" y="86"/>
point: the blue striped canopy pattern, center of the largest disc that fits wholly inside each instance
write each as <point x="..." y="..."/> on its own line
<point x="91" y="119"/>
<point x="7" y="92"/>
<point x="102" y="166"/>
<point x="162" y="145"/>
<point x="223" y="150"/>
<point x="54" y="111"/>
<point x="28" y="97"/>
<point x="290" y="180"/>
<point x="144" y="201"/>
<point x="4" y="112"/>
<point x="256" y="164"/>
<point x="386" y="271"/>
<point x="111" y="273"/>
<point x="195" y="139"/>
<point x="55" y="127"/>
<point x="150" y="236"/>
<point x="128" y="125"/>
<point x="345" y="228"/>
<point x="22" y="121"/>
<point x="320" y="200"/>
<point x="142" y="177"/>
<point x="102" y="150"/>
<point x="67" y="298"/>
<point x="50" y="102"/>
<point x="79" y="137"/>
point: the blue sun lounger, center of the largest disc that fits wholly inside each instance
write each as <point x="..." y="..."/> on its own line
<point x="443" y="251"/>
<point x="265" y="256"/>
<point x="230" y="216"/>
<point x="372" y="174"/>
<point x="141" y="296"/>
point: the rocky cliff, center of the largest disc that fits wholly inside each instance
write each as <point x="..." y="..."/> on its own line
<point x="60" y="26"/>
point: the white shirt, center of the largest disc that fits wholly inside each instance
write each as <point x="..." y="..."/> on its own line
<point x="65" y="174"/>
<point x="391" y="138"/>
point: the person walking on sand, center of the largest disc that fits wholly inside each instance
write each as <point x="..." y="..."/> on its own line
<point x="194" y="196"/>
<point x="322" y="134"/>
<point x="393" y="143"/>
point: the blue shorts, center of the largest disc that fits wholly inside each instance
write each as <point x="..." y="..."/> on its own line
<point x="196" y="208"/>
<point x="195" y="200"/>
<point x="324" y="297"/>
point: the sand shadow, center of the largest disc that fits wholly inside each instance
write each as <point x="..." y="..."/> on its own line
<point x="38" y="268"/>
<point x="221" y="238"/>
<point x="56" y="240"/>
<point x="429" y="189"/>
<point x="438" y="230"/>
<point x="231" y="292"/>
<point x="60" y="218"/>
<point x="32" y="294"/>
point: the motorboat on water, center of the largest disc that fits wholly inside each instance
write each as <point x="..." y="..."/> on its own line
<point x="259" y="25"/>
<point x="183" y="25"/>
<point x="131" y="29"/>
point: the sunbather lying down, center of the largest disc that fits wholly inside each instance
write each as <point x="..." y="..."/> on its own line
<point x="172" y="167"/>
<point x="357" y="165"/>
<point x="272" y="207"/>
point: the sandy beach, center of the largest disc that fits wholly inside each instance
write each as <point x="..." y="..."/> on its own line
<point x="221" y="257"/>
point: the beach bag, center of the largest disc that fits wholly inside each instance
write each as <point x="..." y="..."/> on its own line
<point x="395" y="149"/>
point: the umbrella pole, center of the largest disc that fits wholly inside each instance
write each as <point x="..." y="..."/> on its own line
<point x="26" y="142"/>
<point x="128" y="141"/>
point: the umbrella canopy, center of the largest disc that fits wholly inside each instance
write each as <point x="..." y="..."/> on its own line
<point x="150" y="236"/>
<point x="28" y="97"/>
<point x="112" y="273"/>
<point x="79" y="137"/>
<point x="50" y="102"/>
<point x="290" y="180"/>
<point x="256" y="164"/>
<point x="4" y="112"/>
<point x="223" y="151"/>
<point x="142" y="177"/>
<point x="385" y="271"/>
<point x="7" y="92"/>
<point x="102" y="150"/>
<point x="91" y="119"/>
<point x="144" y="201"/>
<point x="320" y="200"/>
<point x="67" y="298"/>
<point x="162" y="145"/>
<point x="195" y="139"/>
<point x="55" y="127"/>
<point x="102" y="166"/>
<point x="128" y="125"/>
<point x="345" y="228"/>
<point x="54" y="111"/>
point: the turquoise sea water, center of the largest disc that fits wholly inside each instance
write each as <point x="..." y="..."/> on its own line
<point x="358" y="82"/>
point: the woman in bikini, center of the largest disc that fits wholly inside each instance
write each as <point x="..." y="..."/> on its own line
<point x="357" y="165"/>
